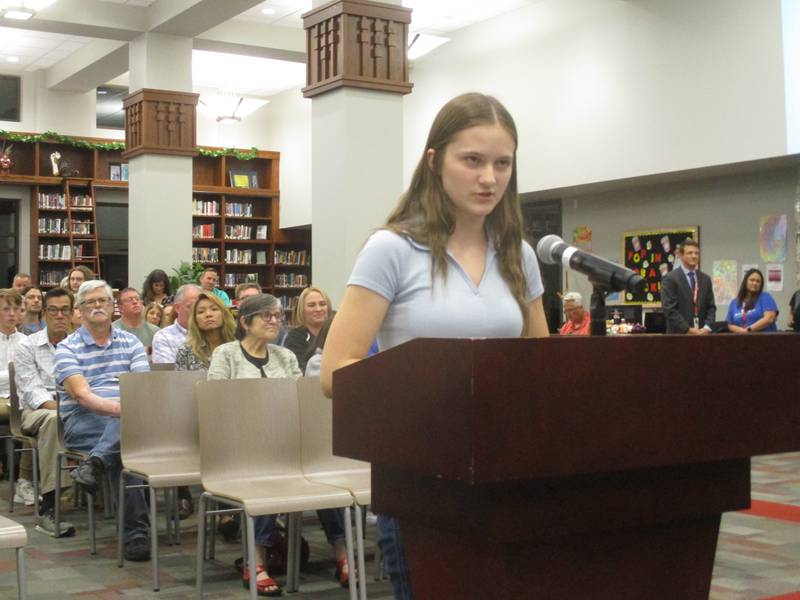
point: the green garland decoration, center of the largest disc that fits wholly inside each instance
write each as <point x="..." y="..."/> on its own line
<point x="52" y="136"/>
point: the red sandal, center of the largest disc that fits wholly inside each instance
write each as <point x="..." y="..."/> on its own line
<point x="263" y="585"/>
<point x="342" y="576"/>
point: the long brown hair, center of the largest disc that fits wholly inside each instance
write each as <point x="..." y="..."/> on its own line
<point x="425" y="212"/>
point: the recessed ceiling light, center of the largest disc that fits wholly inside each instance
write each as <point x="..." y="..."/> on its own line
<point x="101" y="91"/>
<point x="12" y="58"/>
<point x="19" y="13"/>
<point x="267" y="11"/>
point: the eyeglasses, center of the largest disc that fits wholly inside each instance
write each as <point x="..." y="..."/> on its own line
<point x="96" y="302"/>
<point x="270" y="316"/>
<point x="64" y="310"/>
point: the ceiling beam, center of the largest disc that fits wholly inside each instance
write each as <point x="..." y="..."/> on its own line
<point x="244" y="33"/>
<point x="189" y="18"/>
<point x="89" y="67"/>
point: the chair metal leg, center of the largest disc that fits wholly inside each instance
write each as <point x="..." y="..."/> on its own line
<point x="107" y="492"/>
<point x="121" y="522"/>
<point x="212" y="532"/>
<point x="348" y="542"/>
<point x="92" y="541"/>
<point x="360" y="541"/>
<point x="201" y="545"/>
<point x="251" y="553"/>
<point x="22" y="579"/>
<point x="167" y="515"/>
<point x="57" y="507"/>
<point x="11" y="478"/>
<point x="154" y="537"/>
<point x="293" y="524"/>
<point x="298" y="548"/>
<point x="176" y="517"/>
<point x="35" y="459"/>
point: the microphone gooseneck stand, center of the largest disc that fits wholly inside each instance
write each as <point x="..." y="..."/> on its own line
<point x="597" y="308"/>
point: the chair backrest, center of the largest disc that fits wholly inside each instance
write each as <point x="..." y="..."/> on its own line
<point x="15" y="413"/>
<point x="316" y="432"/>
<point x="249" y="428"/>
<point x="159" y="413"/>
<point x="162" y="366"/>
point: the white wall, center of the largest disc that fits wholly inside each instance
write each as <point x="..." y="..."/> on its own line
<point x="283" y="125"/>
<point x="791" y="69"/>
<point x="606" y="89"/>
<point x="727" y="209"/>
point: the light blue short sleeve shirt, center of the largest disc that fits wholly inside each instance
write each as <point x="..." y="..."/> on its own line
<point x="399" y="269"/>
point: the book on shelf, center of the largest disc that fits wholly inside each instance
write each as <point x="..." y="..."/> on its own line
<point x="237" y="256"/>
<point x="205" y="208"/>
<point x="288" y="302"/>
<point x="206" y="231"/>
<point x="234" y="279"/>
<point x="238" y="209"/>
<point x="291" y="257"/>
<point x="205" y="255"/>
<point x="52" y="201"/>
<point x="81" y="227"/>
<point x="291" y="280"/>
<point x="238" y="232"/>
<point x="51" y="225"/>
<point x="262" y="232"/>
<point x="81" y="202"/>
<point x="51" y="277"/>
<point x="261" y="257"/>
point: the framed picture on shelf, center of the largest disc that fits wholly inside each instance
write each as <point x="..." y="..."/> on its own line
<point x="123" y="172"/>
<point x="243" y="178"/>
<point x="115" y="171"/>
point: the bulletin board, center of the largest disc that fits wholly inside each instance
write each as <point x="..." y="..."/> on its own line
<point x="651" y="254"/>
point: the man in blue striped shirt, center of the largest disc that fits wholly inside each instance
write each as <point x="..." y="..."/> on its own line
<point x="88" y="365"/>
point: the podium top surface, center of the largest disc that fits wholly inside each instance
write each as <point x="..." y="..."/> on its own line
<point x="491" y="410"/>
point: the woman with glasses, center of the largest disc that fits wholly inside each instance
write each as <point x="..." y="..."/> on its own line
<point x="449" y="262"/>
<point x="210" y="326"/>
<point x="255" y="355"/>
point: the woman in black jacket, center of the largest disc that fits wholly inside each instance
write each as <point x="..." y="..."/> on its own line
<point x="312" y="310"/>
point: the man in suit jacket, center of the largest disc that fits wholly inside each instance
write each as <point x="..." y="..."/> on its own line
<point x="679" y="289"/>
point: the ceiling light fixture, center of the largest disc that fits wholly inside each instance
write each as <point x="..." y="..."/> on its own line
<point x="22" y="10"/>
<point x="228" y="107"/>
<point x="267" y="11"/>
<point x="12" y="59"/>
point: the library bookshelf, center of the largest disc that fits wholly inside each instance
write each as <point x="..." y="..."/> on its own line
<point x="235" y="216"/>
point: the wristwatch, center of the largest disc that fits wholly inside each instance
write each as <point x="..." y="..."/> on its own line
<point x="749" y="329"/>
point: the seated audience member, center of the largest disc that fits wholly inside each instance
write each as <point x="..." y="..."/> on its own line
<point x="156" y="288"/>
<point x="153" y="313"/>
<point x="131" y="318"/>
<point x="21" y="281"/>
<point x="32" y="317"/>
<point x="210" y="325"/>
<point x="35" y="377"/>
<point x="10" y="338"/>
<point x="88" y="365"/>
<point x="794" y="311"/>
<point x="578" y="319"/>
<point x="77" y="276"/>
<point x="753" y="309"/>
<point x="312" y="310"/>
<point x="255" y="355"/>
<point x="168" y="339"/>
<point x="245" y="290"/>
<point x="313" y="357"/>
<point x="168" y="316"/>
<point x="208" y="280"/>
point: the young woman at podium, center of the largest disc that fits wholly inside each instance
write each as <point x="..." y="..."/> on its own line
<point x="449" y="262"/>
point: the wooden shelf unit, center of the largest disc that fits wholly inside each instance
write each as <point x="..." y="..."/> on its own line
<point x="211" y="183"/>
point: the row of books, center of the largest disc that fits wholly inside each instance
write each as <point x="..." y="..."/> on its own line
<point x="245" y="232"/>
<point x="209" y="208"/>
<point x="291" y="257"/>
<point x="245" y="257"/>
<point x="238" y="209"/>
<point x="63" y="251"/>
<point x="53" y="225"/>
<point x="51" y="277"/>
<point x="82" y="201"/>
<point x="288" y="302"/>
<point x="206" y="231"/>
<point x="52" y="200"/>
<point x="205" y="254"/>
<point x="291" y="280"/>
<point x="82" y="227"/>
<point x="234" y="279"/>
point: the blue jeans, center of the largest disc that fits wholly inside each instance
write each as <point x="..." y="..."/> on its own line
<point x="98" y="435"/>
<point x="332" y="520"/>
<point x="394" y="557"/>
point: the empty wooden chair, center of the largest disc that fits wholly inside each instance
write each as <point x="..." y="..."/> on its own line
<point x="12" y="535"/>
<point x="251" y="458"/>
<point x="159" y="443"/>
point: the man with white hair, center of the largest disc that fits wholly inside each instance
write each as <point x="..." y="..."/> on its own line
<point x="167" y="341"/>
<point x="88" y="365"/>
<point x="578" y="319"/>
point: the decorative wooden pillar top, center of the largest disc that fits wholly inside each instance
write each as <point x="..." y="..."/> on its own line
<point x="357" y="43"/>
<point x="160" y="122"/>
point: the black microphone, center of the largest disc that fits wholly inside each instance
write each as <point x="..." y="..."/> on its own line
<point x="603" y="273"/>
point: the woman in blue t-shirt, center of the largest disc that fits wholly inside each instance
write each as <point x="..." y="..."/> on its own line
<point x="450" y="261"/>
<point x="753" y="309"/>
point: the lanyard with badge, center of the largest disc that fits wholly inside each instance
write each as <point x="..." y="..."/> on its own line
<point x="696" y="307"/>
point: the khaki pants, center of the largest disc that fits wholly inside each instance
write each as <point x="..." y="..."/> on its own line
<point x="43" y="424"/>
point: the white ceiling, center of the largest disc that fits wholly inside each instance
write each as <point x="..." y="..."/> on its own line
<point x="41" y="50"/>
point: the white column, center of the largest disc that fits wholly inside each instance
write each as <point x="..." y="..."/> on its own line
<point x="160" y="186"/>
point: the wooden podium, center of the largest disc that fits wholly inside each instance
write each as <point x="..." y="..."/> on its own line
<point x="565" y="467"/>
